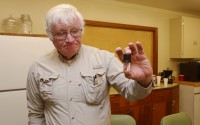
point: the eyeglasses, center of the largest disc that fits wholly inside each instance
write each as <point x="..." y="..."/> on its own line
<point x="63" y="35"/>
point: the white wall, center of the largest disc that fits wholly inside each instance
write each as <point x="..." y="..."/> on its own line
<point x="102" y="10"/>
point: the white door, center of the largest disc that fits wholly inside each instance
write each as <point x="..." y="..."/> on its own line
<point x="13" y="108"/>
<point x="197" y="109"/>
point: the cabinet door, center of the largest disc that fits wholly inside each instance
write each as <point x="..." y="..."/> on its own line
<point x="175" y="100"/>
<point x="119" y="105"/>
<point x="13" y="108"/>
<point x="175" y="106"/>
<point x="161" y="101"/>
<point x="191" y="37"/>
<point x="160" y="109"/>
<point x="142" y="114"/>
<point x="185" y="38"/>
<point x="26" y="51"/>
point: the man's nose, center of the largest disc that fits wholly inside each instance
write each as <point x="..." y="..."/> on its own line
<point x="69" y="38"/>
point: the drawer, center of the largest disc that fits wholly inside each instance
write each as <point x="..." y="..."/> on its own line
<point x="117" y="102"/>
<point x="143" y="101"/>
<point x="161" y="95"/>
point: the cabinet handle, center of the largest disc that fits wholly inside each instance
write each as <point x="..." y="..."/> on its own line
<point x="173" y="102"/>
<point x="154" y="106"/>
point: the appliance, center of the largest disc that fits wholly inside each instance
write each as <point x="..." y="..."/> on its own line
<point x="17" y="54"/>
<point x="191" y="71"/>
<point x="189" y="102"/>
<point x="168" y="74"/>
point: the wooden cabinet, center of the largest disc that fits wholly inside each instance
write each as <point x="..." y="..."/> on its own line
<point x="151" y="109"/>
<point x="185" y="38"/>
<point x="140" y="109"/>
<point x="175" y="100"/>
<point x="160" y="105"/>
<point x="119" y="105"/>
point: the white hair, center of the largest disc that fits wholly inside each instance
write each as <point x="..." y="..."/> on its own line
<point x="63" y="13"/>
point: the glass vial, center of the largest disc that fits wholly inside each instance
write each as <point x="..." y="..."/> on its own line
<point x="26" y="24"/>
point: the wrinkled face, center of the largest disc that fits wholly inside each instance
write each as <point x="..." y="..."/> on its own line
<point x="67" y="39"/>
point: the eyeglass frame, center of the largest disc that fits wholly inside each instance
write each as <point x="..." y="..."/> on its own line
<point x="64" y="34"/>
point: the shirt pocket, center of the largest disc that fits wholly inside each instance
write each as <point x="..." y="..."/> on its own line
<point x="94" y="86"/>
<point x="46" y="86"/>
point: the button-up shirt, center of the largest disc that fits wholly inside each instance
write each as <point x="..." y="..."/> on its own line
<point x="77" y="92"/>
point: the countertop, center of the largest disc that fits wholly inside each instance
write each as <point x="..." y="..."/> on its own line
<point x="195" y="84"/>
<point x="113" y="91"/>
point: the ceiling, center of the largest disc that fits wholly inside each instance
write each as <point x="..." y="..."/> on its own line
<point x="185" y="6"/>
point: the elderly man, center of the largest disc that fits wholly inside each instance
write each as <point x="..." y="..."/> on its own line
<point x="70" y="85"/>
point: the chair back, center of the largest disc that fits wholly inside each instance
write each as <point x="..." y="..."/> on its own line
<point x="181" y="118"/>
<point x="122" y="120"/>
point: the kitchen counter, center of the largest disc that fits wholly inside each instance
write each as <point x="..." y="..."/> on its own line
<point x="162" y="101"/>
<point x="195" y="84"/>
<point x="113" y="91"/>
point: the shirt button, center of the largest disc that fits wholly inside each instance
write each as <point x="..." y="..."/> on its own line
<point x="70" y="99"/>
<point x="72" y="117"/>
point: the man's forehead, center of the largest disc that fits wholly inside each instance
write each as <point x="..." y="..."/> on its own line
<point x="64" y="26"/>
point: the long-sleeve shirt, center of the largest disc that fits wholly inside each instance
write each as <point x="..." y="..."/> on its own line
<point x="77" y="92"/>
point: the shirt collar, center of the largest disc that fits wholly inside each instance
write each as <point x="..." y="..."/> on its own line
<point x="67" y="61"/>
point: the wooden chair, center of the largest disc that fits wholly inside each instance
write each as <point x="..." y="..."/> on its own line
<point x="181" y="118"/>
<point x="122" y="120"/>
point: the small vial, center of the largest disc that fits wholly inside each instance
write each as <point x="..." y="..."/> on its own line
<point x="127" y="59"/>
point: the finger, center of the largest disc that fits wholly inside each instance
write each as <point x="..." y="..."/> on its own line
<point x="128" y="74"/>
<point x="127" y="50"/>
<point x="132" y="48"/>
<point x="119" y="53"/>
<point x="139" y="48"/>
